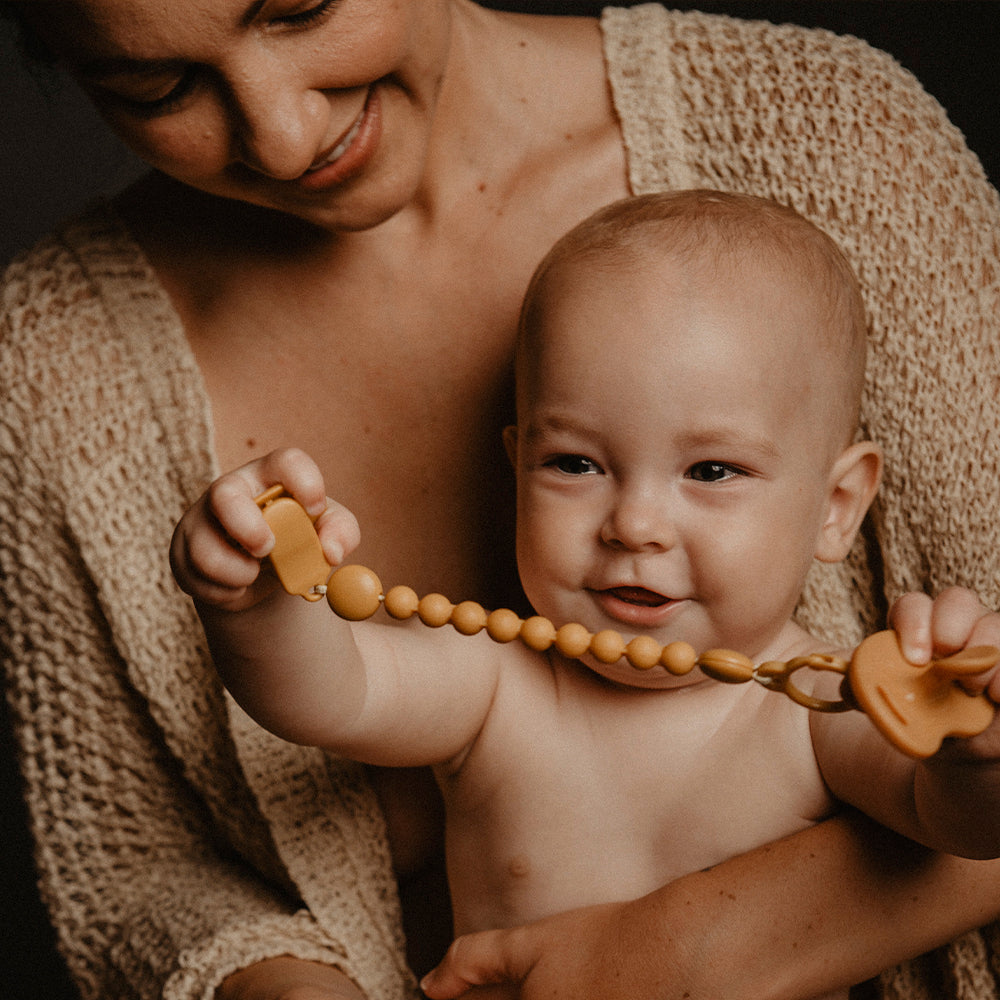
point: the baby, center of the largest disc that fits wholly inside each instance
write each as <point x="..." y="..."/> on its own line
<point x="689" y="371"/>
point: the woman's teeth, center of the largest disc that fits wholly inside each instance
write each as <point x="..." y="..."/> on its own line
<point x="340" y="148"/>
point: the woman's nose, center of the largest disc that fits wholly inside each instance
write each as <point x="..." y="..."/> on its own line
<point x="280" y="124"/>
<point x="640" y="523"/>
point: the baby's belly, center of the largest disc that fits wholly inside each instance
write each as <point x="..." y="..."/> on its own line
<point x="513" y="876"/>
<point x="563" y="814"/>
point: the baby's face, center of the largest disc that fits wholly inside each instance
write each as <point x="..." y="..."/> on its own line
<point x="673" y="457"/>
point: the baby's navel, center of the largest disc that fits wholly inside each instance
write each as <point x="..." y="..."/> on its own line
<point x="518" y="866"/>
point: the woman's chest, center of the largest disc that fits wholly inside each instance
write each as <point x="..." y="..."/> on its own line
<point x="403" y="409"/>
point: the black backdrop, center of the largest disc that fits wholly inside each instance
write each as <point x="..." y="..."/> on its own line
<point x="55" y="155"/>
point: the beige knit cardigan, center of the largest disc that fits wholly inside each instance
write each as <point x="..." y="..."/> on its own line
<point x="178" y="842"/>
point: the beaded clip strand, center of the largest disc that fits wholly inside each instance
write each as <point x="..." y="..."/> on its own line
<point x="914" y="707"/>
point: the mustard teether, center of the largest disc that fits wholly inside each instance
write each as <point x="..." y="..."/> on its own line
<point x="914" y="707"/>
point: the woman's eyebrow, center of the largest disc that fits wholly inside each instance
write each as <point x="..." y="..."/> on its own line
<point x="102" y="68"/>
<point x="250" y="14"/>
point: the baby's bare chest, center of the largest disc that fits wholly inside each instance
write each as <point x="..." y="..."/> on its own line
<point x="613" y="804"/>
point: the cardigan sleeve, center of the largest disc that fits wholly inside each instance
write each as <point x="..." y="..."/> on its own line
<point x="156" y="866"/>
<point x="145" y="902"/>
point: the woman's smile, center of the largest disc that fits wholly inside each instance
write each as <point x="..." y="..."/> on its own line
<point x="352" y="151"/>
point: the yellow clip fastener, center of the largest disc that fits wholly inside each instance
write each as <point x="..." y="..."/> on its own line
<point x="297" y="556"/>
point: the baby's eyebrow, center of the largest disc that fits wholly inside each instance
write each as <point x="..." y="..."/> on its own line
<point x="728" y="437"/>
<point x="553" y="423"/>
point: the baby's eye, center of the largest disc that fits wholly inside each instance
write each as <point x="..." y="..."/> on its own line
<point x="713" y="472"/>
<point x="574" y="465"/>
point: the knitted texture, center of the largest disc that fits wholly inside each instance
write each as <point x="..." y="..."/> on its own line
<point x="177" y="842"/>
<point x="157" y="863"/>
<point x="847" y="137"/>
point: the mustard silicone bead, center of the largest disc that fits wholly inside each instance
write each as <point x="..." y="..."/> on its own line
<point x="607" y="646"/>
<point x="434" y="610"/>
<point x="354" y="592"/>
<point x="726" y="665"/>
<point x="401" y="602"/>
<point x="573" y="640"/>
<point x="678" y="658"/>
<point x="538" y="633"/>
<point x="643" y="652"/>
<point x="503" y="625"/>
<point x="468" y="618"/>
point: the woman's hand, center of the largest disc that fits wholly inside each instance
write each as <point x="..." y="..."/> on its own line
<point x="585" y="952"/>
<point x="288" y="978"/>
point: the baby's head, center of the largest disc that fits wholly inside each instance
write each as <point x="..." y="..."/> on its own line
<point x="689" y="369"/>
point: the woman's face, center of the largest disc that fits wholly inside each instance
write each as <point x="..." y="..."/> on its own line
<point x="318" y="108"/>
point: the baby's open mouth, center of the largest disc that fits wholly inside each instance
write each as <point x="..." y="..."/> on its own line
<point x="639" y="596"/>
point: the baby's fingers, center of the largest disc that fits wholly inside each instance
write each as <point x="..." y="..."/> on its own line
<point x="298" y="474"/>
<point x="986" y="631"/>
<point x="910" y="617"/>
<point x="338" y="531"/>
<point x="959" y="619"/>
<point x="206" y="564"/>
<point x="230" y="503"/>
<point x="953" y="620"/>
<point x="231" y="498"/>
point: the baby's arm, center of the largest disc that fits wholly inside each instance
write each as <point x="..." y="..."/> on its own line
<point x="950" y="801"/>
<point x="273" y="651"/>
<point x="378" y="693"/>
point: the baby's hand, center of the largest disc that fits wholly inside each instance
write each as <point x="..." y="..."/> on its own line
<point x="936" y="627"/>
<point x="218" y="545"/>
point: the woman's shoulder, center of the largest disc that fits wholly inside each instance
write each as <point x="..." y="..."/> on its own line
<point x="822" y="121"/>
<point x="92" y="355"/>
<point x="87" y="258"/>
<point x="746" y="86"/>
<point x="85" y="300"/>
<point x="651" y="30"/>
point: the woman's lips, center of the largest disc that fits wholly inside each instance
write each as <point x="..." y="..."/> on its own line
<point x="635" y="606"/>
<point x="341" y="147"/>
<point x="351" y="152"/>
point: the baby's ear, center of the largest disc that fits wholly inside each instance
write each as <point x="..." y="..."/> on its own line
<point x="510" y="443"/>
<point x="854" y="481"/>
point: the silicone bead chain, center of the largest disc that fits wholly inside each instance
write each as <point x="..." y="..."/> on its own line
<point x="915" y="707"/>
<point x="355" y="593"/>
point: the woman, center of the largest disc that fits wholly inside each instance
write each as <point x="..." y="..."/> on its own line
<point x="348" y="199"/>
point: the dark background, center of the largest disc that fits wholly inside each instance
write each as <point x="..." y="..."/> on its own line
<point x="55" y="156"/>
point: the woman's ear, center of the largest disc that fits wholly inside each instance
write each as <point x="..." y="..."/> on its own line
<point x="510" y="443"/>
<point x="854" y="481"/>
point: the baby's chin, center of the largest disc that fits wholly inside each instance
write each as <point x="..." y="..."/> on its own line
<point x="657" y="678"/>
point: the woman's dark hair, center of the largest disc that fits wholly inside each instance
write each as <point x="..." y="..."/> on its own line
<point x="23" y="31"/>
